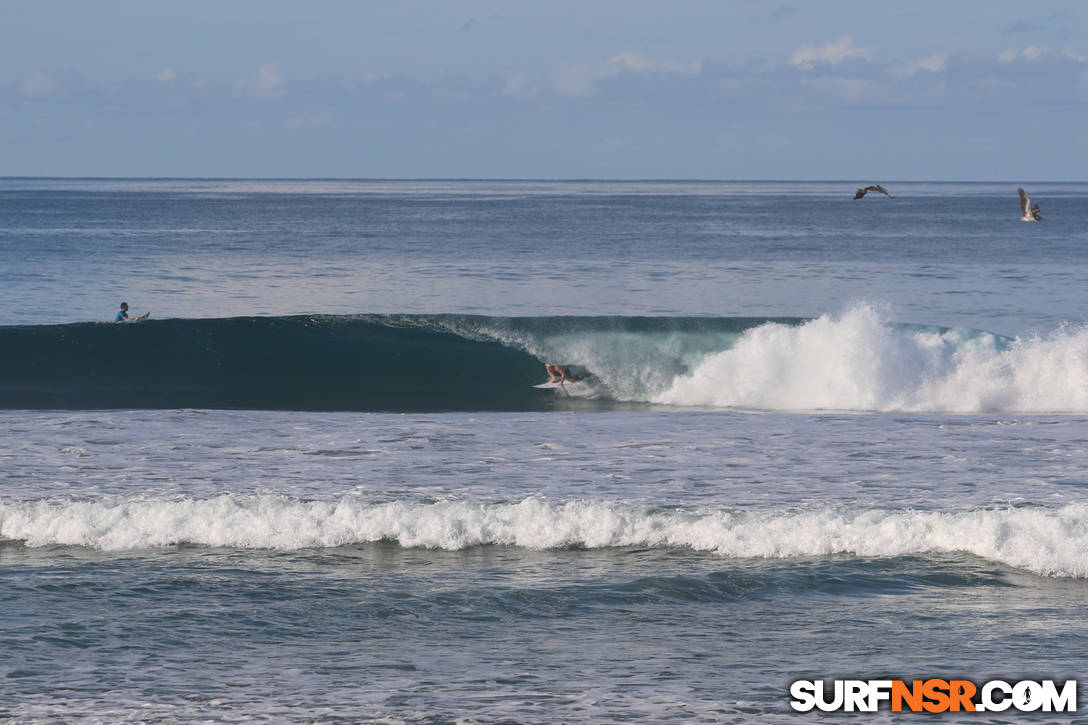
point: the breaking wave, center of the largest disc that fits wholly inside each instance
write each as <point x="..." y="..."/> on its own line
<point x="1046" y="541"/>
<point x="856" y="361"/>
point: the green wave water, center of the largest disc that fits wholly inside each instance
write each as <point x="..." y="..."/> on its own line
<point x="359" y="363"/>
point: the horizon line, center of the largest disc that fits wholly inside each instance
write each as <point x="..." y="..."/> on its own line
<point x="576" y="179"/>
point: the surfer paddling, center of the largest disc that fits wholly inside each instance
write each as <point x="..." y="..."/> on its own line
<point x="122" y="315"/>
<point x="561" y="374"/>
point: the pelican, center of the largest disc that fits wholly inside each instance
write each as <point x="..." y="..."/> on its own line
<point x="1028" y="213"/>
<point x="875" y="187"/>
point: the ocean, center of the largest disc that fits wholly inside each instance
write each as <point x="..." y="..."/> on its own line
<point x="818" y="439"/>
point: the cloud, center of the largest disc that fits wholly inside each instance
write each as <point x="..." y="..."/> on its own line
<point x="39" y="85"/>
<point x="932" y="63"/>
<point x="266" y="83"/>
<point x="1057" y="23"/>
<point x="1032" y="52"/>
<point x="476" y="23"/>
<point x="515" y="83"/>
<point x="637" y="63"/>
<point x="573" y="80"/>
<point x="807" y="56"/>
<point x="167" y="74"/>
<point x="580" y="79"/>
<point x="268" y="78"/>
<point x="783" y="12"/>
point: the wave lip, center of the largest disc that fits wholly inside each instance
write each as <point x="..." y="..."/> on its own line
<point x="1046" y="541"/>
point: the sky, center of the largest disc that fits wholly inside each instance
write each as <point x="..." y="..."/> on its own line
<point x="611" y="89"/>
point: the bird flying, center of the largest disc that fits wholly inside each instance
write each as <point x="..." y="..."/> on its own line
<point x="874" y="187"/>
<point x="1028" y="213"/>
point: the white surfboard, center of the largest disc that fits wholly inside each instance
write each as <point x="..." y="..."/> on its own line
<point x="551" y="385"/>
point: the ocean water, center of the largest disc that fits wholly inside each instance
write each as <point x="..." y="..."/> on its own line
<point x="819" y="438"/>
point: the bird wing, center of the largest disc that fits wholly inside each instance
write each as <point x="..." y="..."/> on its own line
<point x="860" y="192"/>
<point x="881" y="189"/>
<point x="1025" y="202"/>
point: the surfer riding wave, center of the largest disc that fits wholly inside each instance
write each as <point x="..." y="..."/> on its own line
<point x="561" y="374"/>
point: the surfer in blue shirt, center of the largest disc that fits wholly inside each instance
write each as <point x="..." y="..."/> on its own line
<point x="122" y="315"/>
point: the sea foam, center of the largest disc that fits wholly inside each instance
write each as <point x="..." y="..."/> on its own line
<point x="1048" y="541"/>
<point x="859" y="362"/>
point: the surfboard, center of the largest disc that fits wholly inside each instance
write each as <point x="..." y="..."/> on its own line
<point x="551" y="385"/>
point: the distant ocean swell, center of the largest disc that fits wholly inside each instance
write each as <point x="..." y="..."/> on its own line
<point x="855" y="361"/>
<point x="1047" y="541"/>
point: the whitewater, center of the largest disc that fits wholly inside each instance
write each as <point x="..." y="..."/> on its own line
<point x="818" y="439"/>
<point x="858" y="362"/>
<point x="1048" y="542"/>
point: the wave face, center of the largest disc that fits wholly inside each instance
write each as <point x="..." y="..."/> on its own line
<point x="291" y="363"/>
<point x="856" y="361"/>
<point x="1047" y="541"/>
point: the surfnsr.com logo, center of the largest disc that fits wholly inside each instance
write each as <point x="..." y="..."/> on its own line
<point x="933" y="695"/>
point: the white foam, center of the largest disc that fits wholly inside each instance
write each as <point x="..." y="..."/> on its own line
<point x="858" y="362"/>
<point x="1049" y="541"/>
